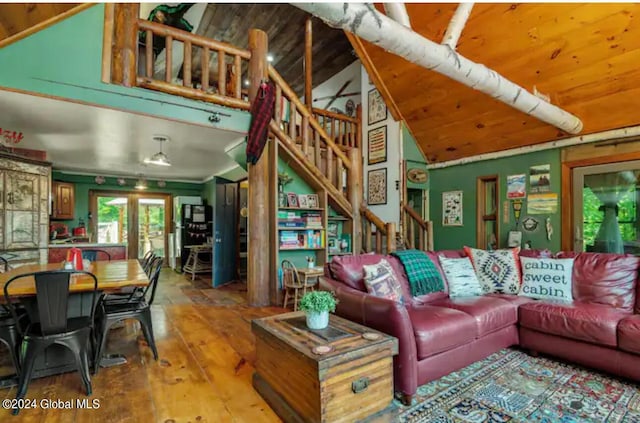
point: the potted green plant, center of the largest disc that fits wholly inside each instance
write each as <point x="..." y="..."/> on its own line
<point x="317" y="305"/>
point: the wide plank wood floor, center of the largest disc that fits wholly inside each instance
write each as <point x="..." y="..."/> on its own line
<point x="206" y="360"/>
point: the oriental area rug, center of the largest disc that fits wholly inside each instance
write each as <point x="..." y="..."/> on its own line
<point x="511" y="386"/>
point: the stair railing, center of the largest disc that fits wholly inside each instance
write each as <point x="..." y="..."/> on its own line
<point x="418" y="233"/>
<point x="373" y="241"/>
<point x="343" y="129"/>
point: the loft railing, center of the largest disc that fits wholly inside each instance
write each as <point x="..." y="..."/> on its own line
<point x="343" y="129"/>
<point x="418" y="233"/>
<point x="383" y="240"/>
<point x="223" y="86"/>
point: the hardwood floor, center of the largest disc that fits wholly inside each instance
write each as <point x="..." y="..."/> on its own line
<point x="203" y="374"/>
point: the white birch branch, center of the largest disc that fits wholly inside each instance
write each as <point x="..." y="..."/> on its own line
<point x="398" y="12"/>
<point x="366" y="22"/>
<point x="458" y="21"/>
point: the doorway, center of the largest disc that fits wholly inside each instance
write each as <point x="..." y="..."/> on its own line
<point x="141" y="220"/>
<point x="605" y="208"/>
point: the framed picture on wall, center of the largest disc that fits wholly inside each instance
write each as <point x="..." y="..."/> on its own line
<point x="377" y="187"/>
<point x="452" y="208"/>
<point x="377" y="145"/>
<point x="377" y="110"/>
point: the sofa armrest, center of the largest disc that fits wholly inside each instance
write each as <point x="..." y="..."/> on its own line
<point x="386" y="316"/>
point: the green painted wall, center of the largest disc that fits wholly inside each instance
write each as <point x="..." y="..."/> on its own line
<point x="83" y="184"/>
<point x="65" y="61"/>
<point x="413" y="156"/>
<point x="464" y="177"/>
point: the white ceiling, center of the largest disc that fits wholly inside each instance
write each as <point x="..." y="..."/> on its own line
<point x="97" y="140"/>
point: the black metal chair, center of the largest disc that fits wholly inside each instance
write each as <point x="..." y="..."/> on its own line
<point x="94" y="254"/>
<point x="53" y="325"/>
<point x="145" y="259"/>
<point x="4" y="265"/>
<point x="10" y="334"/>
<point x="136" y="307"/>
<point x="147" y="266"/>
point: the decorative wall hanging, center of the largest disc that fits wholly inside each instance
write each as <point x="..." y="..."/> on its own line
<point x="122" y="181"/>
<point x="99" y="180"/>
<point x="261" y="113"/>
<point x="530" y="224"/>
<point x="417" y="176"/>
<point x="162" y="184"/>
<point x="549" y="228"/>
<point x="517" y="210"/>
<point x="546" y="203"/>
<point x="377" y="187"/>
<point x="377" y="110"/>
<point x="516" y="186"/>
<point x="452" y="208"/>
<point x="377" y="142"/>
<point x="540" y="178"/>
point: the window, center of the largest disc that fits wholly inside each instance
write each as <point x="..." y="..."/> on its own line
<point x="487" y="231"/>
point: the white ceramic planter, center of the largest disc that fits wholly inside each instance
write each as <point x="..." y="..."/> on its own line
<point x="318" y="320"/>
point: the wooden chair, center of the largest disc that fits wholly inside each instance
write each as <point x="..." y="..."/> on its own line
<point x="292" y="283"/>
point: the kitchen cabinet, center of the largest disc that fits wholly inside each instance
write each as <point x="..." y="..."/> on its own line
<point x="63" y="200"/>
<point x="24" y="209"/>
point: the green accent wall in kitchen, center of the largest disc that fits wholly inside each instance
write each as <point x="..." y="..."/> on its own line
<point x="463" y="177"/>
<point x="65" y="60"/>
<point x="83" y="183"/>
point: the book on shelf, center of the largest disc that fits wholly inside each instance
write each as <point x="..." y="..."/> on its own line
<point x="310" y="238"/>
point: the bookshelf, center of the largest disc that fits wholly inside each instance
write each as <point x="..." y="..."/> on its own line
<point x="339" y="235"/>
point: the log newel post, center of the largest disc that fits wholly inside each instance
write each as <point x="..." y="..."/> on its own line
<point x="259" y="264"/>
<point x="391" y="237"/>
<point x="308" y="68"/>
<point x="354" y="186"/>
<point x="125" y="44"/>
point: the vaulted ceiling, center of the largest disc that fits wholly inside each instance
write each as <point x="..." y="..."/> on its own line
<point x="285" y="27"/>
<point x="585" y="57"/>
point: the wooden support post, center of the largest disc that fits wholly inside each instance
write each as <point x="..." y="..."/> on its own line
<point x="367" y="238"/>
<point x="354" y="187"/>
<point x="125" y="44"/>
<point x="259" y="223"/>
<point x="391" y="237"/>
<point x="308" y="49"/>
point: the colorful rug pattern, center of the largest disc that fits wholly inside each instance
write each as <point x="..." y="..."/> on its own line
<point x="511" y="386"/>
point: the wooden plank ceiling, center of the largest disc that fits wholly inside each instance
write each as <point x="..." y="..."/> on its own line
<point x="18" y="17"/>
<point x="584" y="56"/>
<point x="284" y="25"/>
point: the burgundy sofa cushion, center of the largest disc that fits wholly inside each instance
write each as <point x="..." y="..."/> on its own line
<point x="439" y="329"/>
<point x="593" y="323"/>
<point x="629" y="334"/>
<point x="536" y="253"/>
<point x="349" y="270"/>
<point x="514" y="299"/>
<point x="490" y="313"/>
<point x="604" y="278"/>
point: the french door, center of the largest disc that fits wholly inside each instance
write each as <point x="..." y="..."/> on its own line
<point x="606" y="212"/>
<point x="141" y="220"/>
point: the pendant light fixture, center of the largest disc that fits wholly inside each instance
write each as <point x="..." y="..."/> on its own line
<point x="141" y="184"/>
<point x="159" y="159"/>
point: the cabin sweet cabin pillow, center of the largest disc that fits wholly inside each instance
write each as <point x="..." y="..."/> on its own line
<point x="546" y="279"/>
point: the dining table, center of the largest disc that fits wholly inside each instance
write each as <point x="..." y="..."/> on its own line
<point x="113" y="276"/>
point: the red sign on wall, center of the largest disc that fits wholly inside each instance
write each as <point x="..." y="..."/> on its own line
<point x="9" y="137"/>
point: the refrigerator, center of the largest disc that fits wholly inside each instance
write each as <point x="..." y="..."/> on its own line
<point x="197" y="228"/>
<point x="175" y="238"/>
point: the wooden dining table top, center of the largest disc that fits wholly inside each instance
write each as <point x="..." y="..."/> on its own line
<point x="112" y="276"/>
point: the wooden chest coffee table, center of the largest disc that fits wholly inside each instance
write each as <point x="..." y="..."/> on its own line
<point x="348" y="383"/>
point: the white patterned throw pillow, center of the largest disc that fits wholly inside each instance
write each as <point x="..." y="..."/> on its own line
<point x="545" y="278"/>
<point x="460" y="276"/>
<point x="496" y="270"/>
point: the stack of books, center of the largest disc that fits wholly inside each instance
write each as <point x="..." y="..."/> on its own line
<point x="290" y="219"/>
<point x="314" y="220"/>
<point x="291" y="240"/>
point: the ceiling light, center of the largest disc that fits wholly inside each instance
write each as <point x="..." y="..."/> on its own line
<point x="270" y="58"/>
<point x="159" y="159"/>
<point x="141" y="183"/>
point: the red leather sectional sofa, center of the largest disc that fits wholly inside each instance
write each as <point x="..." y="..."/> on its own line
<point x="438" y="335"/>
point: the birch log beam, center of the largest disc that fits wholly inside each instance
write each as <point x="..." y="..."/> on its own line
<point x="366" y="22"/>
<point x="398" y="12"/>
<point x="458" y="21"/>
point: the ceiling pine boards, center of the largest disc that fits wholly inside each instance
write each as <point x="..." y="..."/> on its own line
<point x="584" y="56"/>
